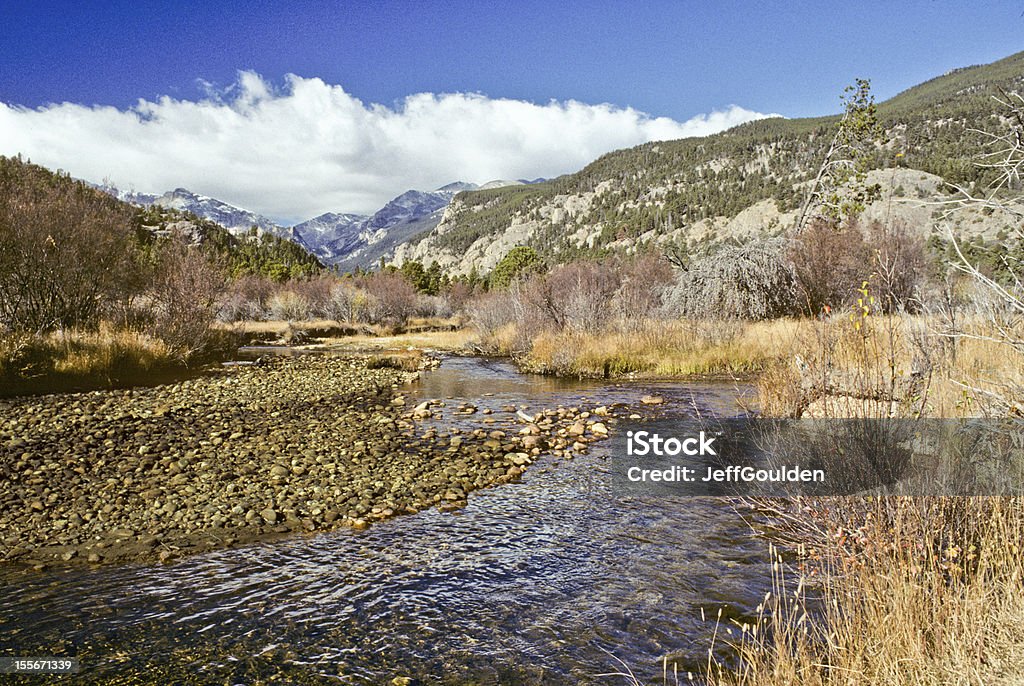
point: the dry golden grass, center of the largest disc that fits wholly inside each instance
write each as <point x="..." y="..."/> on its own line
<point x="458" y="340"/>
<point x="415" y="324"/>
<point x="663" y="349"/>
<point x="39" y="363"/>
<point x="894" y="591"/>
<point x="107" y="351"/>
<point x="899" y="359"/>
<point x="277" y="327"/>
<point x="442" y="333"/>
<point x="892" y="364"/>
<point x="922" y="591"/>
<point x="403" y="360"/>
<point x="980" y="372"/>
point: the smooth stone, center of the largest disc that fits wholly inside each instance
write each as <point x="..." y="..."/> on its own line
<point x="269" y="516"/>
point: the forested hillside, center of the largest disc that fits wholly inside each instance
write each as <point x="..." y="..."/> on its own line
<point x="658" y="189"/>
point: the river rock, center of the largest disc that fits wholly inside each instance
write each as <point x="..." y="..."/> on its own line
<point x="530" y="442"/>
<point x="298" y="444"/>
<point x="269" y="516"/>
<point x="518" y="459"/>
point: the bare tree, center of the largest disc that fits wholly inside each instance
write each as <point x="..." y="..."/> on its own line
<point x="66" y="250"/>
<point x="576" y="296"/>
<point x="392" y="299"/>
<point x="1003" y="301"/>
<point x="348" y="303"/>
<point x="1005" y="158"/>
<point x="645" y="280"/>
<point x="184" y="295"/>
<point x="898" y="266"/>
<point x="750" y="281"/>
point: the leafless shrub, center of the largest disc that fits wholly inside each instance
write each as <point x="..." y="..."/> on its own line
<point x="898" y="266"/>
<point x="947" y="301"/>
<point x="583" y="296"/>
<point x="287" y="305"/>
<point x="184" y="293"/>
<point x="66" y="251"/>
<point x="831" y="261"/>
<point x="391" y="299"/>
<point x="231" y="307"/>
<point x="316" y="292"/>
<point x="645" y="281"/>
<point x="256" y="298"/>
<point x="489" y="312"/>
<point x="246" y="299"/>
<point x="347" y="302"/>
<point x="750" y="281"/>
<point x="432" y="306"/>
<point x="575" y="296"/>
<point x="458" y="294"/>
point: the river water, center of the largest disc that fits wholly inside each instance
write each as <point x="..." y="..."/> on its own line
<point x="547" y="581"/>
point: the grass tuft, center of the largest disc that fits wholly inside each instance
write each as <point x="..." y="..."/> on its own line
<point x="75" y="359"/>
<point x="656" y="349"/>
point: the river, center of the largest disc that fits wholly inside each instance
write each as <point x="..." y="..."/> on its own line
<point x="547" y="581"/>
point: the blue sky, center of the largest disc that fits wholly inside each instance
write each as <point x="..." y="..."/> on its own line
<point x="666" y="58"/>
<point x="164" y="84"/>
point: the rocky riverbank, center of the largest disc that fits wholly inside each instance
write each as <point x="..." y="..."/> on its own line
<point x="300" y="444"/>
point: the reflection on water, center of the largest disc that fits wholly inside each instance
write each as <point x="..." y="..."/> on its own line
<point x="531" y="583"/>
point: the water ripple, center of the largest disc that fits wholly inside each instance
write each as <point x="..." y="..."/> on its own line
<point x="530" y="583"/>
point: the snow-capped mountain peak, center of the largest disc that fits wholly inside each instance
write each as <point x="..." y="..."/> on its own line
<point x="234" y="219"/>
<point x="348" y="240"/>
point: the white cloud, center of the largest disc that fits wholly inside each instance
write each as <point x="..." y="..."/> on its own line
<point x="310" y="147"/>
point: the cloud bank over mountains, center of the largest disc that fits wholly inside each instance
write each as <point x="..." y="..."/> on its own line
<point x="307" y="147"/>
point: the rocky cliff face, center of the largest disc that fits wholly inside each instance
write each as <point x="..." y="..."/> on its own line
<point x="749" y="179"/>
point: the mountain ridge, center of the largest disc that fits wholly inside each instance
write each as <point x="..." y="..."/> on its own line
<point x="692" y="190"/>
<point x="335" y="238"/>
